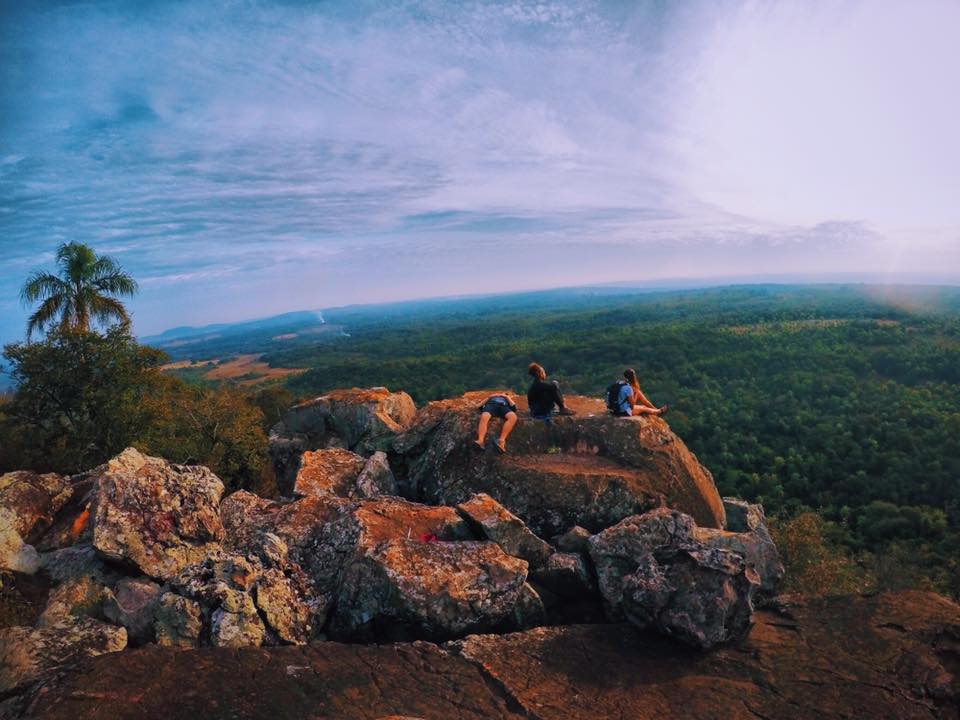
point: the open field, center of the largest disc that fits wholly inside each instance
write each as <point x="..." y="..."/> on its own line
<point x="244" y="370"/>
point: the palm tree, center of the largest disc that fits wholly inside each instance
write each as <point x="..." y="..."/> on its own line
<point x="80" y="292"/>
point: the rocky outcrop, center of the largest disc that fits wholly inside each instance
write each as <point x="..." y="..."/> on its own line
<point x="153" y="550"/>
<point x="893" y="655"/>
<point x="652" y="571"/>
<point x="360" y="420"/>
<point x="26" y="654"/>
<point x="377" y="477"/>
<point x="590" y="469"/>
<point x="567" y="575"/>
<point x="157" y="516"/>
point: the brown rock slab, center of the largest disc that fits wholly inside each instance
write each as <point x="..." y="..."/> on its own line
<point x="154" y="515"/>
<point x="27" y="653"/>
<point x="893" y="655"/>
<point x="325" y="680"/>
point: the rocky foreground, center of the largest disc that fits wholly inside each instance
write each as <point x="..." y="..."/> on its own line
<point x="593" y="571"/>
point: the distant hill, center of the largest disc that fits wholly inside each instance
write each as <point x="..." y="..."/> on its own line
<point x="187" y="334"/>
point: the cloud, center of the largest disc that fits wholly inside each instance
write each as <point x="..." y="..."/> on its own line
<point x="233" y="149"/>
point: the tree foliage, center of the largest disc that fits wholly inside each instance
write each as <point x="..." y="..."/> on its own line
<point x="83" y="396"/>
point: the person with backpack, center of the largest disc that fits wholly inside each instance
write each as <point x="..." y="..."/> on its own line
<point x="496" y="406"/>
<point x="543" y="396"/>
<point x="625" y="399"/>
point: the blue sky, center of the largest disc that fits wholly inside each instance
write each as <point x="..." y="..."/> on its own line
<point x="247" y="158"/>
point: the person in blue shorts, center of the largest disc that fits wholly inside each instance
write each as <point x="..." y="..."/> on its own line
<point x="496" y="406"/>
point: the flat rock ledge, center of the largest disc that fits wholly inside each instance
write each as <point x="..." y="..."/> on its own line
<point x="895" y="655"/>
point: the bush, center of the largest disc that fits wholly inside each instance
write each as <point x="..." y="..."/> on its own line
<point x="815" y="567"/>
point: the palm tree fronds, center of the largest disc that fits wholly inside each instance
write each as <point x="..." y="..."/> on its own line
<point x="45" y="314"/>
<point x="40" y="286"/>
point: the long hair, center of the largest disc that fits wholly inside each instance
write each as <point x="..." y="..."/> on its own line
<point x="631" y="375"/>
<point x="537" y="372"/>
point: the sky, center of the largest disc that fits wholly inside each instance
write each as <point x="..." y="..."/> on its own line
<point x="242" y="159"/>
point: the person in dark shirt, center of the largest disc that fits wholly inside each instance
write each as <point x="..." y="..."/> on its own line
<point x="542" y="395"/>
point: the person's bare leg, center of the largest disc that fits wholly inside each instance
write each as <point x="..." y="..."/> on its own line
<point x="644" y="410"/>
<point x="508" y="422"/>
<point x="482" y="428"/>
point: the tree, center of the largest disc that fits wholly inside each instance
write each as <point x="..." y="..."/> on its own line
<point x="79" y="398"/>
<point x="80" y="293"/>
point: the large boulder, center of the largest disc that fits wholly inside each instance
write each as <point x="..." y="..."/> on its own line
<point x="29" y="503"/>
<point x="333" y="471"/>
<point x="133" y="604"/>
<point x="404" y="589"/>
<point x="15" y="554"/>
<point x="362" y="420"/>
<point x="307" y="546"/>
<point x="652" y="570"/>
<point x="342" y="473"/>
<point x="589" y="469"/>
<point x="377" y="477"/>
<point x="154" y="515"/>
<point x="178" y="621"/>
<point x="34" y="500"/>
<point x="27" y="653"/>
<point x="494" y="522"/>
<point x="302" y="547"/>
<point x="747" y="535"/>
<point x="703" y="597"/>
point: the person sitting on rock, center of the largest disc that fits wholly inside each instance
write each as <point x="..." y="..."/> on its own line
<point x="625" y="398"/>
<point x="498" y="406"/>
<point x="543" y="396"/>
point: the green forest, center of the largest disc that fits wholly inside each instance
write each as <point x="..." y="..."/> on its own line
<point x="837" y="407"/>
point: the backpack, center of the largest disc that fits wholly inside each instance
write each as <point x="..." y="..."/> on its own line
<point x="613" y="397"/>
